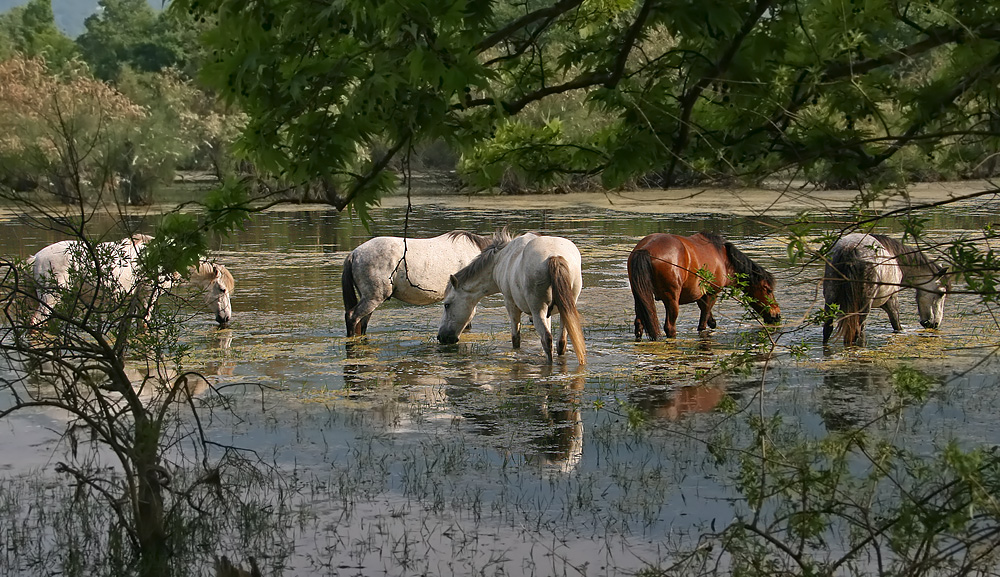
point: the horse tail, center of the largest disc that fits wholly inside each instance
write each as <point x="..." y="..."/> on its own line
<point x="852" y="290"/>
<point x="564" y="298"/>
<point x="350" y="296"/>
<point x="640" y="278"/>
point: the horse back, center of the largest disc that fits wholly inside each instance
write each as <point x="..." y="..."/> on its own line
<point x="415" y="271"/>
<point x="677" y="261"/>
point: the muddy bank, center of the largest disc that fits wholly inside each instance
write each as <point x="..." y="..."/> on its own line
<point x="742" y="202"/>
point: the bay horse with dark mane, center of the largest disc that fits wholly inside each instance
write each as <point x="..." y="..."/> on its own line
<point x="692" y="269"/>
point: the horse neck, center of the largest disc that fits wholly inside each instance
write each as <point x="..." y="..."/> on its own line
<point x="479" y="278"/>
<point x="484" y="282"/>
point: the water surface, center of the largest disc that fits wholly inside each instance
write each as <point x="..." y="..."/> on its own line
<point x="413" y="457"/>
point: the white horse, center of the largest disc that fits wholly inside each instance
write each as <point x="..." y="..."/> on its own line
<point x="536" y="274"/>
<point x="869" y="270"/>
<point x="115" y="266"/>
<point x="413" y="270"/>
<point x="218" y="284"/>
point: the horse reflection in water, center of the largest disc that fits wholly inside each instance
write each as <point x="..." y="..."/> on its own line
<point x="662" y="400"/>
<point x="90" y="273"/>
<point x="546" y="426"/>
<point x="855" y="397"/>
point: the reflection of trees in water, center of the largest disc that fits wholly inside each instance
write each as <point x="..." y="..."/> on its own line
<point x="47" y="380"/>
<point x="529" y="409"/>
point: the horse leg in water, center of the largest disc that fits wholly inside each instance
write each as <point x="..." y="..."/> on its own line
<point x="671" y="305"/>
<point x="891" y="308"/>
<point x="706" y="321"/>
<point x="357" y="318"/>
<point x="827" y="324"/>
<point x="544" y="329"/>
<point x="515" y="323"/>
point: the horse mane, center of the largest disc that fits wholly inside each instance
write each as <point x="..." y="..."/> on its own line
<point x="740" y="263"/>
<point x="481" y="241"/>
<point x="906" y="254"/>
<point x="485" y="258"/>
<point x="911" y="256"/>
<point x="714" y="239"/>
<point x="203" y="273"/>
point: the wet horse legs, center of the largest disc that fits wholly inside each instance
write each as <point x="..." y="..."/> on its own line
<point x="544" y="329"/>
<point x="671" y="305"/>
<point x="515" y="323"/>
<point x="357" y="318"/>
<point x="707" y="320"/>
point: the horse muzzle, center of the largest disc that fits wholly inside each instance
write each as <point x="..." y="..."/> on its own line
<point x="929" y="324"/>
<point x="447" y="338"/>
<point x="223" y="321"/>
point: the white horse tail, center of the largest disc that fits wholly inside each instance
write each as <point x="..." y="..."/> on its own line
<point x="350" y="296"/>
<point x="853" y="289"/>
<point x="564" y="298"/>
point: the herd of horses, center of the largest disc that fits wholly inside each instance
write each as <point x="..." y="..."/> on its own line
<point x="541" y="275"/>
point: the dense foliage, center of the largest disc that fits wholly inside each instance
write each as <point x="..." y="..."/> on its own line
<point x="63" y="101"/>
<point x="835" y="91"/>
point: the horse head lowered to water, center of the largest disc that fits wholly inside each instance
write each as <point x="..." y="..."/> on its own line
<point x="413" y="270"/>
<point x="218" y="284"/>
<point x="116" y="267"/>
<point x="536" y="275"/>
<point x="679" y="270"/>
<point x="869" y="270"/>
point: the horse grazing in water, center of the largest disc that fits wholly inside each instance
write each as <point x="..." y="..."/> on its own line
<point x="218" y="284"/>
<point x="413" y="270"/>
<point x="115" y="266"/>
<point x="686" y="269"/>
<point x="536" y="274"/>
<point x="869" y="270"/>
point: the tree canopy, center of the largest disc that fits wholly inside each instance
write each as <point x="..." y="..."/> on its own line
<point x="835" y="91"/>
<point x="130" y="33"/>
<point x="31" y="30"/>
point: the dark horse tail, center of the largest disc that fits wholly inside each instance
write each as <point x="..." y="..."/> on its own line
<point x="564" y="298"/>
<point x="640" y="277"/>
<point x="350" y="297"/>
<point x="853" y="282"/>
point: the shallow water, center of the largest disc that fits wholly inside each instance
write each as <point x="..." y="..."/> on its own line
<point x="414" y="457"/>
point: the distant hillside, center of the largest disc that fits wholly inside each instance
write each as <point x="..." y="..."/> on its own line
<point x="70" y="14"/>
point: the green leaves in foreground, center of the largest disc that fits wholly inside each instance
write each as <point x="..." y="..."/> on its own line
<point x="182" y="237"/>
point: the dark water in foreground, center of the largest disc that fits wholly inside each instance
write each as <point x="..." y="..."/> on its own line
<point x="414" y="457"/>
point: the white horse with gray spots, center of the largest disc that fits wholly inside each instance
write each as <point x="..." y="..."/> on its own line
<point x="115" y="266"/>
<point x="413" y="270"/>
<point x="869" y="270"/>
<point x="536" y="274"/>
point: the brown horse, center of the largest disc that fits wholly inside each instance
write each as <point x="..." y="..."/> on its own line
<point x="686" y="269"/>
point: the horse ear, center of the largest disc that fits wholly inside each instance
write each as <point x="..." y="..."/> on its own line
<point x="453" y="281"/>
<point x="215" y="271"/>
